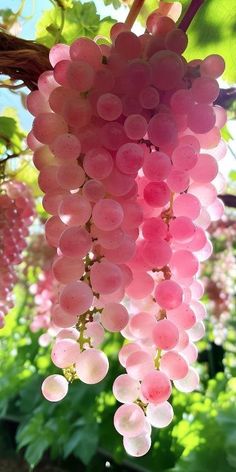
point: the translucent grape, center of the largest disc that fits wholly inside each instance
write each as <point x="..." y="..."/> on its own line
<point x="55" y="388"/>
<point x="92" y="366"/>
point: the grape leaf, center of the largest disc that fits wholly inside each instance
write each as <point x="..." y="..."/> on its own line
<point x="213" y="32"/>
<point x="115" y="3"/>
<point x="81" y="20"/>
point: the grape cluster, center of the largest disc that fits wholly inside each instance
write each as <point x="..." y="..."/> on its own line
<point x="126" y="137"/>
<point x="16" y="212"/>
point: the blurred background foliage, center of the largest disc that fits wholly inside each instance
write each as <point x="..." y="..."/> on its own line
<point x="77" y="434"/>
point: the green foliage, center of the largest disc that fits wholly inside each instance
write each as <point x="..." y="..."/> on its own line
<point x="80" y="20"/>
<point x="213" y="32"/>
<point x="11" y="133"/>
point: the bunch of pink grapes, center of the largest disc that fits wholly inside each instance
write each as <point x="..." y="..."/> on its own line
<point x="126" y="138"/>
<point x="16" y="215"/>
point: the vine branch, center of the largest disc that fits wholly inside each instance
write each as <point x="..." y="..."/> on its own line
<point x="229" y="200"/>
<point x="23" y="60"/>
<point x="190" y="13"/>
<point x="133" y="13"/>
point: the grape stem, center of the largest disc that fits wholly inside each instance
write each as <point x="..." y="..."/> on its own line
<point x="133" y="13"/>
<point x="190" y="13"/>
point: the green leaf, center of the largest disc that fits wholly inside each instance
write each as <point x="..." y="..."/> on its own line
<point x="35" y="450"/>
<point x="115" y="3"/>
<point x="81" y="20"/>
<point x="226" y="134"/>
<point x="7" y="128"/>
<point x="213" y="32"/>
<point x="83" y="443"/>
<point x="232" y="175"/>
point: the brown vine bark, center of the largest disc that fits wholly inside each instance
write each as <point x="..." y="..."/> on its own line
<point x="23" y="60"/>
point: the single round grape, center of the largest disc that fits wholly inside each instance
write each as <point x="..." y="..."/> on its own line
<point x="137" y="446"/>
<point x="173" y="365"/>
<point x="127" y="44"/>
<point x="98" y="163"/>
<point x="135" y="126"/>
<point x="157" y="166"/>
<point x="138" y="364"/>
<point x="114" y="317"/>
<point x="70" y="177"/>
<point x="205" y="169"/>
<point x="85" y="49"/>
<point x="67" y="269"/>
<point x="183" y="316"/>
<point x="129" y="158"/>
<point x="165" y="335"/>
<point x="184" y="263"/>
<point x="189" y="383"/>
<point x="107" y="214"/>
<point x="66" y="147"/>
<point x="92" y="366"/>
<point x="74" y="210"/>
<point x="156" y="253"/>
<point x="141" y="325"/>
<point x="47" y="126"/>
<point x="54" y="388"/>
<point x="187" y="205"/>
<point x="168" y="294"/>
<point x="212" y="66"/>
<point x="156" y="387"/>
<point x="75" y="242"/>
<point x="95" y="332"/>
<point x="65" y="353"/>
<point x="160" y="415"/>
<point x="129" y="420"/>
<point x="109" y="106"/>
<point x="126" y="350"/>
<point x="141" y="286"/>
<point x="156" y="194"/>
<point x="125" y="389"/>
<point x="105" y="277"/>
<point x="76" y="298"/>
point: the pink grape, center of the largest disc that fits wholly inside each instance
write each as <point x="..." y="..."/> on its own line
<point x="95" y="332"/>
<point x="156" y="253"/>
<point x="129" y="158"/>
<point x="109" y="106"/>
<point x="141" y="286"/>
<point x="47" y="126"/>
<point x="66" y="146"/>
<point x="126" y="350"/>
<point x="157" y="166"/>
<point x="173" y="365"/>
<point x="135" y="126"/>
<point x="187" y="205"/>
<point x="156" y="194"/>
<point x="92" y="366"/>
<point x="190" y="353"/>
<point x="141" y="325"/>
<point x="98" y="163"/>
<point x="129" y="420"/>
<point x="54" y="228"/>
<point x="184" y="157"/>
<point x="183" y="316"/>
<point x="125" y="389"/>
<point x="72" y="177"/>
<point x="165" y="335"/>
<point x="205" y="169"/>
<point x="138" y="364"/>
<point x="156" y="387"/>
<point x="114" y="317"/>
<point x="137" y="446"/>
<point x="62" y="319"/>
<point x="160" y="415"/>
<point x="212" y="66"/>
<point x="76" y="298"/>
<point x="75" y="242"/>
<point x="74" y="210"/>
<point x="66" y="269"/>
<point x="168" y="294"/>
<point x="107" y="214"/>
<point x="149" y="97"/>
<point x="188" y="383"/>
<point x="105" y="277"/>
<point x="54" y="388"/>
<point x="84" y="49"/>
<point x="182" y="229"/>
<point x="162" y="130"/>
<point x="190" y="266"/>
<point x="178" y="181"/>
<point x="153" y="228"/>
<point x="65" y="353"/>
